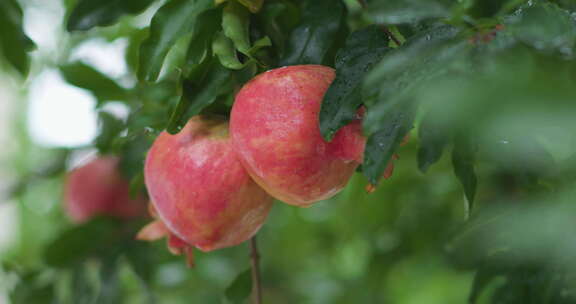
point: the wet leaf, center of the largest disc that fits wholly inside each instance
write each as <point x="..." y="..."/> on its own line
<point x="384" y="141"/>
<point x="363" y="49"/>
<point x="311" y="40"/>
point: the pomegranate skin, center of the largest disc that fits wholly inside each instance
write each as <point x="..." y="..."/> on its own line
<point x="200" y="190"/>
<point x="97" y="188"/>
<point x="274" y="129"/>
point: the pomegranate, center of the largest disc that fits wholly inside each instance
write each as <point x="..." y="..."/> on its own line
<point x="97" y="188"/>
<point x="201" y="194"/>
<point x="274" y="129"/>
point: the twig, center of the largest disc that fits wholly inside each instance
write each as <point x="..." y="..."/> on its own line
<point x="389" y="33"/>
<point x="364" y="5"/>
<point x="255" y="261"/>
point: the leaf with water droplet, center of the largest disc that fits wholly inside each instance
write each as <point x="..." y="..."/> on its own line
<point x="383" y="142"/>
<point x="406" y="11"/>
<point x="544" y="26"/>
<point x="362" y="50"/>
<point x="317" y="32"/>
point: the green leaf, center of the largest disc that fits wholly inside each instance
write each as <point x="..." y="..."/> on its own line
<point x="363" y="49"/>
<point x="423" y="57"/>
<point x="14" y="44"/>
<point x="86" y="77"/>
<point x="407" y="11"/>
<point x="277" y="19"/>
<point x="545" y="26"/>
<point x="434" y="136"/>
<point x="223" y="48"/>
<point x="197" y="96"/>
<point x="311" y="40"/>
<point x="88" y="13"/>
<point x="463" y="161"/>
<point x="110" y="129"/>
<point x="236" y="25"/>
<point x="567" y="4"/>
<point x="384" y="141"/>
<point x="240" y="288"/>
<point x="171" y="22"/>
<point x="200" y="46"/>
<point x="80" y="242"/>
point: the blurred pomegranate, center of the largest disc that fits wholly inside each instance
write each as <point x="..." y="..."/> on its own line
<point x="97" y="188"/>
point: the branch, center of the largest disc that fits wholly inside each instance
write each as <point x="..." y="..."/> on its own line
<point x="364" y="5"/>
<point x="255" y="261"/>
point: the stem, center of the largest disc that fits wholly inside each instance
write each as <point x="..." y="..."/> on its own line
<point x="255" y="261"/>
<point x="389" y="33"/>
<point x="364" y="5"/>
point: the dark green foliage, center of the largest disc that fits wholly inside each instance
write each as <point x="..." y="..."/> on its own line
<point x="110" y="129"/>
<point x="362" y="50"/>
<point x="197" y="94"/>
<point x="434" y="135"/>
<point x="406" y="11"/>
<point x="14" y="44"/>
<point x="87" y="242"/>
<point x="545" y="26"/>
<point x="383" y="142"/>
<point x="311" y="40"/>
<point x="172" y="21"/>
<point x="88" y="14"/>
<point x="199" y="49"/>
<point x="463" y="159"/>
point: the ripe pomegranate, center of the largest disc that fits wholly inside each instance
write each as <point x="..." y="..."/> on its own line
<point x="97" y="188"/>
<point x="199" y="190"/>
<point x="274" y="129"/>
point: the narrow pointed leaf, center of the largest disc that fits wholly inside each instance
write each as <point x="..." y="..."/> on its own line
<point x="14" y="44"/>
<point x="88" y="13"/>
<point x="171" y="22"/>
<point x="316" y="33"/>
<point x="463" y="161"/>
<point x="363" y="49"/>
<point x="434" y="137"/>
<point x="86" y="77"/>
<point x="383" y="143"/>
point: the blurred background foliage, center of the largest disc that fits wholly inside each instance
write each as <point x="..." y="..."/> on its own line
<point x="480" y="208"/>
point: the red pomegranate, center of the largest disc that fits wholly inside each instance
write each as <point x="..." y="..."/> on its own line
<point x="201" y="194"/>
<point x="274" y="129"/>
